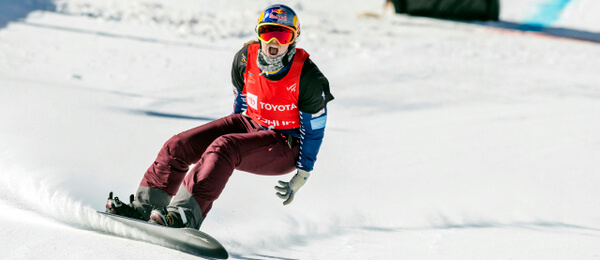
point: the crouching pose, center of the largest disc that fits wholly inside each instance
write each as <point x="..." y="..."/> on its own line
<point x="277" y="127"/>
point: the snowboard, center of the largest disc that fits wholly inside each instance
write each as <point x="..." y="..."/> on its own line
<point x="184" y="239"/>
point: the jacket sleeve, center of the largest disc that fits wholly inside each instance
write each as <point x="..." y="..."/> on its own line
<point x="313" y="98"/>
<point x="239" y="103"/>
<point x="312" y="131"/>
<point x="237" y="79"/>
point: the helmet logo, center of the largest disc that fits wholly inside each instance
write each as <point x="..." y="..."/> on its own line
<point x="278" y="14"/>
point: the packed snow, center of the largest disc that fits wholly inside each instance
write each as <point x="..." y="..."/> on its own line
<point x="445" y="141"/>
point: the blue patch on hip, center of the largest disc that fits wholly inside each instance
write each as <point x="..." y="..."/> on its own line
<point x="318" y="123"/>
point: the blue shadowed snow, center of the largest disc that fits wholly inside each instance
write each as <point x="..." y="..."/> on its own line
<point x="552" y="31"/>
<point x="14" y="10"/>
<point x="175" y="116"/>
<point x="163" y="114"/>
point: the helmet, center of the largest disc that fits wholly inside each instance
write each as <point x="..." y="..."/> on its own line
<point x="279" y="15"/>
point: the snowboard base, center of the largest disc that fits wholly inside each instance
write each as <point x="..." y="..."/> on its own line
<point x="184" y="239"/>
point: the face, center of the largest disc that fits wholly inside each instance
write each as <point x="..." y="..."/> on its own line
<point x="273" y="49"/>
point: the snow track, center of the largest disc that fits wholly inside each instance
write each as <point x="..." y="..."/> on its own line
<point x="446" y="140"/>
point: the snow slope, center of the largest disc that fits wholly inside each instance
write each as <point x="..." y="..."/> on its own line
<point x="445" y="140"/>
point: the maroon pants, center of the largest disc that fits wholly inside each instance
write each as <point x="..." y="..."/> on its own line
<point x="217" y="148"/>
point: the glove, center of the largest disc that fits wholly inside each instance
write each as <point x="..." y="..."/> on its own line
<point x="287" y="190"/>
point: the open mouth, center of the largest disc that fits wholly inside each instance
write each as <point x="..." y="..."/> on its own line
<point x="273" y="51"/>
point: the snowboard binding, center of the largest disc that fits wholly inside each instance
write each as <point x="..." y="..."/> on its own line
<point x="160" y="216"/>
<point x="117" y="207"/>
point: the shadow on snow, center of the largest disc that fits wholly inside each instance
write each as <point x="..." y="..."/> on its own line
<point x="16" y="10"/>
<point x="151" y="113"/>
<point x="535" y="225"/>
<point x="542" y="30"/>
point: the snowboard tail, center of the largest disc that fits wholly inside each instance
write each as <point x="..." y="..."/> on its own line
<point x="185" y="239"/>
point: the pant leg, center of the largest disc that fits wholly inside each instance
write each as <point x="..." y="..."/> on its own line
<point x="263" y="152"/>
<point x="163" y="178"/>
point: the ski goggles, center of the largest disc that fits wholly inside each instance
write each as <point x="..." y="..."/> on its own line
<point x="268" y="32"/>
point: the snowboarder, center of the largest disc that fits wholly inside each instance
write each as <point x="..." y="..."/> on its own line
<point x="277" y="127"/>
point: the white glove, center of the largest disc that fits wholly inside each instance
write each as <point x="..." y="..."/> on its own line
<point x="287" y="190"/>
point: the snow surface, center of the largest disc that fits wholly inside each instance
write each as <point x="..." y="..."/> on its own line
<point x="445" y="141"/>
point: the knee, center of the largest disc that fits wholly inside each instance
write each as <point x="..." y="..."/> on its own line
<point x="175" y="147"/>
<point x="225" y="148"/>
<point x="223" y="144"/>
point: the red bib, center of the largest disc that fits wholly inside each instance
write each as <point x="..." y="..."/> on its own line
<point x="273" y="104"/>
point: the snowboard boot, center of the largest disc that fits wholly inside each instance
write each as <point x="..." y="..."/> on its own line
<point x="163" y="217"/>
<point x="115" y="206"/>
